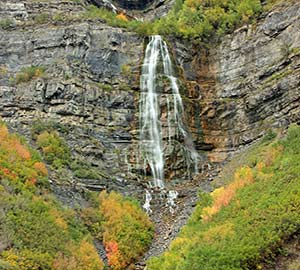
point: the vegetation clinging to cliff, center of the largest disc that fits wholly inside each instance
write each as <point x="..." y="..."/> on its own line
<point x="243" y="224"/>
<point x="194" y="19"/>
<point x="36" y="232"/>
<point x="124" y="228"/>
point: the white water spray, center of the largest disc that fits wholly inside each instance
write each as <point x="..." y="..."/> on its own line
<point x="151" y="144"/>
<point x="147" y="205"/>
<point x="172" y="196"/>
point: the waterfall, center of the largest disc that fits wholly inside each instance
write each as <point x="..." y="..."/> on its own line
<point x="150" y="129"/>
<point x="146" y="205"/>
<point x="157" y="61"/>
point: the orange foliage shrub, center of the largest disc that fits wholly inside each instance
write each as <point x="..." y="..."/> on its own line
<point x="17" y="160"/>
<point x="122" y="17"/>
<point x="41" y="168"/>
<point x="3" y="132"/>
<point x="223" y="196"/>
<point x="8" y="174"/>
<point x="127" y="230"/>
<point x="113" y="255"/>
<point x="21" y="150"/>
<point x="83" y="258"/>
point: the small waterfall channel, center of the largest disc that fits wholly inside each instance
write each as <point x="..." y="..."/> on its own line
<point x="157" y="65"/>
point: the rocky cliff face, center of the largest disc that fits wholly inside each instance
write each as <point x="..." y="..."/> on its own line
<point x="247" y="84"/>
<point x="90" y="87"/>
<point x="236" y="90"/>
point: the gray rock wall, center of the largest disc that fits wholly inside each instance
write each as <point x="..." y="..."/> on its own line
<point x="247" y="84"/>
<point x="90" y="86"/>
<point x="236" y="90"/>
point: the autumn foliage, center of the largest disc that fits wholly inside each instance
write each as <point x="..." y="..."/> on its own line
<point x="222" y="196"/>
<point x="84" y="257"/>
<point x="36" y="232"/>
<point x="127" y="230"/>
<point x="245" y="223"/>
<point x="122" y="16"/>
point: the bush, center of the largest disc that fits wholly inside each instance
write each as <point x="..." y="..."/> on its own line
<point x="6" y="23"/>
<point x="124" y="228"/>
<point x="54" y="149"/>
<point x="42" y="18"/>
<point x="244" y="223"/>
<point x="37" y="231"/>
<point x="29" y="73"/>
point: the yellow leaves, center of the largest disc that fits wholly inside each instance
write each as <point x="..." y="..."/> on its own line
<point x="84" y="257"/>
<point x="122" y="16"/>
<point x="41" y="168"/>
<point x="178" y="242"/>
<point x="242" y="177"/>
<point x="125" y="225"/>
<point x="223" y="196"/>
<point x="11" y="258"/>
<point x="87" y="257"/>
<point x="59" y="220"/>
<point x="3" y="132"/>
<point x="272" y="153"/>
<point x="218" y="232"/>
<point x="26" y="260"/>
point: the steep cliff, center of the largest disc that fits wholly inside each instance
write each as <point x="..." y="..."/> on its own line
<point x="233" y="90"/>
<point x="247" y="84"/>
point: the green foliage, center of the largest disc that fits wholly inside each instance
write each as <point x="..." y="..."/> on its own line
<point x="82" y="169"/>
<point x="42" y="18"/>
<point x="36" y="230"/>
<point x="54" y="149"/>
<point x="142" y="28"/>
<point x="29" y="73"/>
<point x="201" y="19"/>
<point x="195" y="19"/>
<point x="6" y="23"/>
<point x="270" y="135"/>
<point x="124" y="228"/>
<point x="105" y="87"/>
<point x="41" y="125"/>
<point x="245" y="222"/>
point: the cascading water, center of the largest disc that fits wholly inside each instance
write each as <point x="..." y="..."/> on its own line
<point x="151" y="141"/>
<point x="150" y="137"/>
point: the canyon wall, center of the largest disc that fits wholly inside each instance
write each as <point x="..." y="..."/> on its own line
<point x="247" y="84"/>
<point x="235" y="90"/>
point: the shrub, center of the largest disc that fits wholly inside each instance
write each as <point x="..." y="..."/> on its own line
<point x="124" y="228"/>
<point x="6" y="23"/>
<point x="54" y="149"/>
<point x="29" y="73"/>
<point x="245" y="222"/>
<point x="84" y="257"/>
<point x="42" y="18"/>
<point x="36" y="229"/>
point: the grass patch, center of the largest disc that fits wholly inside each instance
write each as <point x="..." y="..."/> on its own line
<point x="29" y="73"/>
<point x="278" y="75"/>
<point x="243" y="224"/>
<point x="6" y="23"/>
